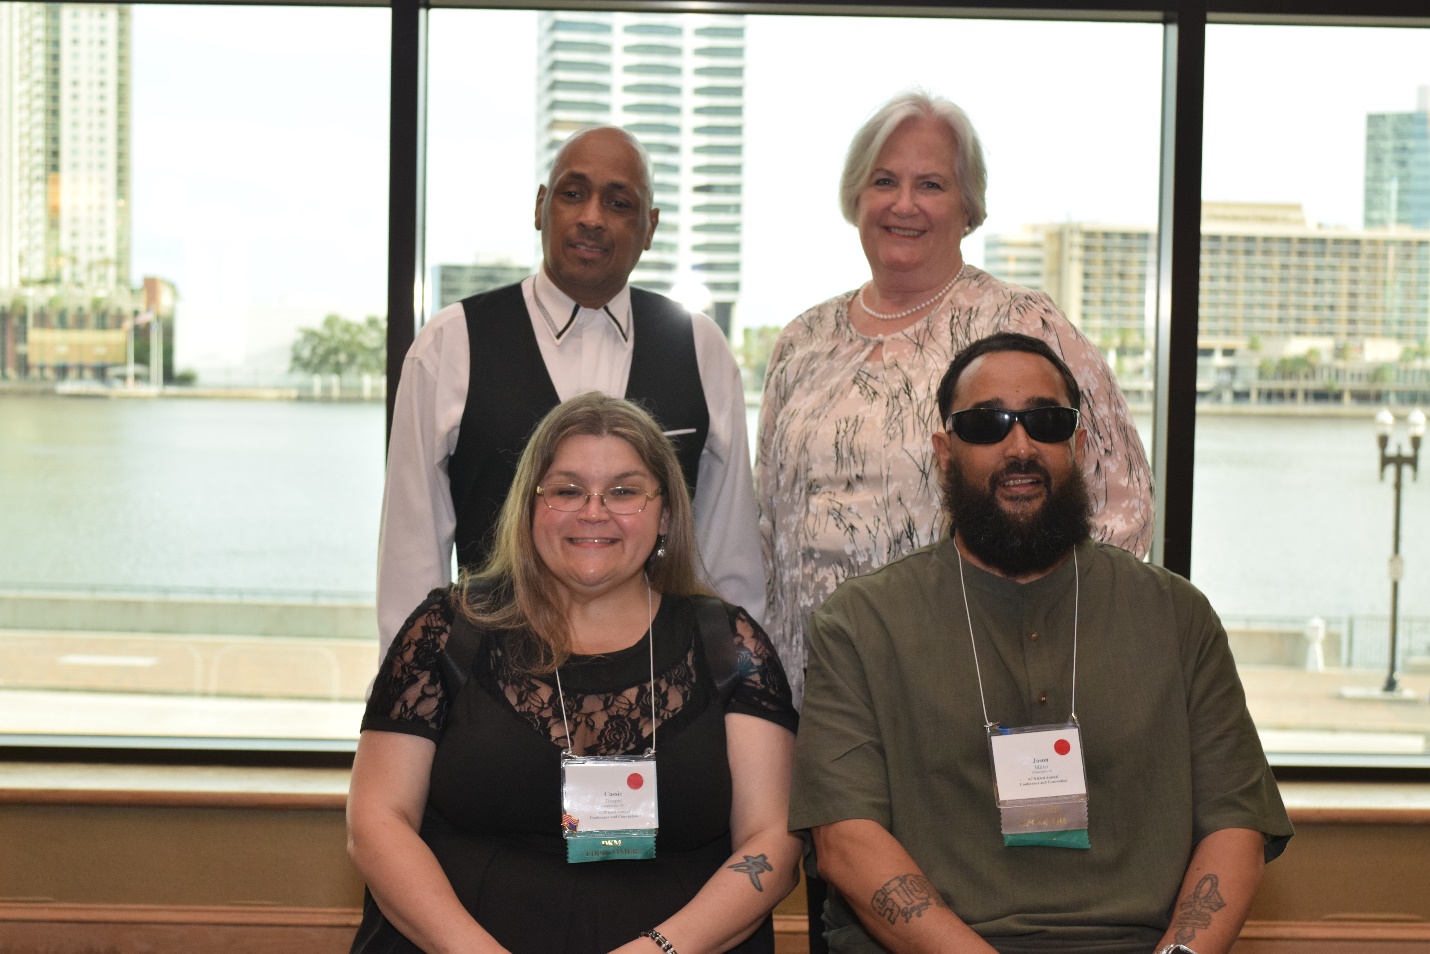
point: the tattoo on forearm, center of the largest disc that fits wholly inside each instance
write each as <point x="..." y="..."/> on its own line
<point x="905" y="898"/>
<point x="1196" y="912"/>
<point x="754" y="866"/>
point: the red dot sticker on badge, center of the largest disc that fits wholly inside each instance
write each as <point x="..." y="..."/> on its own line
<point x="1061" y="747"/>
<point x="634" y="780"/>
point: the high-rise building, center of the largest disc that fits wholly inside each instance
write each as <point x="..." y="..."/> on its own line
<point x="1096" y="273"/>
<point x="1265" y="273"/>
<point x="64" y="146"/>
<point x="1397" y="166"/>
<point x="677" y="82"/>
<point x="452" y="283"/>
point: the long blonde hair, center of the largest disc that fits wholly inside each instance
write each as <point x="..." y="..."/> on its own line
<point x="514" y="592"/>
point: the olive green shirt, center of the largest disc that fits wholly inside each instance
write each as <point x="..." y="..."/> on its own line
<point x="892" y="730"/>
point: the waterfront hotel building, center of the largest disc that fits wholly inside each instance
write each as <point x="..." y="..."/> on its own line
<point x="1266" y="276"/>
<point x="678" y="83"/>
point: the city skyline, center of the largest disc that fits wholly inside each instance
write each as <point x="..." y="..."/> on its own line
<point x="266" y="205"/>
<point x="1111" y="178"/>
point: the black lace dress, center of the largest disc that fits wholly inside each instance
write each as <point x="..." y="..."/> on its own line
<point x="494" y="807"/>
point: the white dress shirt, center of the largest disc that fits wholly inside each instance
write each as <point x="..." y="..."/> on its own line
<point x="584" y="350"/>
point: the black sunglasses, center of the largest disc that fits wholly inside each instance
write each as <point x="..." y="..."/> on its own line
<point x="989" y="425"/>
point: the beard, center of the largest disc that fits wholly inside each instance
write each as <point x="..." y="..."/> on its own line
<point x="1017" y="545"/>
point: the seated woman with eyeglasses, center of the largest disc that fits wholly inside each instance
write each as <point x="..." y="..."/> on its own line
<point x="578" y="749"/>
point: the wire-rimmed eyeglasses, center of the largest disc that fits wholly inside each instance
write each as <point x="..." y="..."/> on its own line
<point x="570" y="498"/>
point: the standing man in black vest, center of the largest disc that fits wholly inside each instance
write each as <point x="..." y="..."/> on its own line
<point x="484" y="371"/>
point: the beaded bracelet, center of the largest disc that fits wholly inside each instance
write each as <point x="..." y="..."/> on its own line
<point x="660" y="939"/>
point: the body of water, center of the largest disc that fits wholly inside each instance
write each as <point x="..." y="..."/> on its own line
<point x="270" y="498"/>
<point x="281" y="499"/>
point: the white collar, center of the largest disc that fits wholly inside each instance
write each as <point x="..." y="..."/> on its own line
<point x="560" y="313"/>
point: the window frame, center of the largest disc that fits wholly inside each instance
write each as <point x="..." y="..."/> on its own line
<point x="1178" y="248"/>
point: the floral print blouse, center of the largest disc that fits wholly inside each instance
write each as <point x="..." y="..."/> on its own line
<point x="845" y="470"/>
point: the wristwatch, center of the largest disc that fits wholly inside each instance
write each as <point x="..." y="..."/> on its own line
<point x="1176" y="949"/>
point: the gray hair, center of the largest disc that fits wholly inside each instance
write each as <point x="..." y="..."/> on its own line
<point x="968" y="165"/>
<point x="647" y="183"/>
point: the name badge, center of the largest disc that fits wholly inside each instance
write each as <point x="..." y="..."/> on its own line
<point x="1041" y="785"/>
<point x="609" y="807"/>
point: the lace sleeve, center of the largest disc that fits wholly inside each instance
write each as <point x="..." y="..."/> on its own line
<point x="407" y="695"/>
<point x="761" y="688"/>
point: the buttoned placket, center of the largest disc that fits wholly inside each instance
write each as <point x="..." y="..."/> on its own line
<point x="1032" y="658"/>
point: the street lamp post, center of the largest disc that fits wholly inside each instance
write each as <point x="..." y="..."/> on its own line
<point x="1415" y="424"/>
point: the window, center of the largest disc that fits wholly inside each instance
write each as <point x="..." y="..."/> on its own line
<point x="652" y="49"/>
<point x="1292" y="520"/>
<point x="198" y="564"/>
<point x="653" y="69"/>
<point x="1345" y="300"/>
<point x="653" y="129"/>
<point x="580" y="26"/>
<point x="653" y="29"/>
<point x="578" y="86"/>
<point x="579" y="46"/>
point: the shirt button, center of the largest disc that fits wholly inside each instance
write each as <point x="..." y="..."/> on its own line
<point x="1033" y="637"/>
<point x="1042" y="698"/>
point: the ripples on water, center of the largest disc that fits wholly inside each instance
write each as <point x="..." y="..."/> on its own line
<point x="282" y="498"/>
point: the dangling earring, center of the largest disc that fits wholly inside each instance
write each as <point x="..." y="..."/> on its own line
<point x="656" y="555"/>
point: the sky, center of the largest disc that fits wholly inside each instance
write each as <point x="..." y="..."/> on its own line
<point x="260" y="142"/>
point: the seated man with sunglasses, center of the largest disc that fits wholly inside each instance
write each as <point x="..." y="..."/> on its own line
<point x="1017" y="739"/>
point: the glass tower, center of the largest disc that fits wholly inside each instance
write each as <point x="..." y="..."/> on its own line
<point x="1397" y="167"/>
<point x="678" y="84"/>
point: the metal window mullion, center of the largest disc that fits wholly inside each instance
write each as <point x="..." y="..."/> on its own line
<point x="406" y="191"/>
<point x="1178" y="264"/>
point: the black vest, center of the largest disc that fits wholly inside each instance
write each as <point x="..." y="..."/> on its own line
<point x="509" y="391"/>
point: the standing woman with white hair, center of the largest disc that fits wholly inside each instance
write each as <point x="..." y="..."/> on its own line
<point x="846" y="477"/>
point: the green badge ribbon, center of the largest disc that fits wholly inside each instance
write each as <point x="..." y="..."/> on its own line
<point x="610" y="846"/>
<point x="1072" y="838"/>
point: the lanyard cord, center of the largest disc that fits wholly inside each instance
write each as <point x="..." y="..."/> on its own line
<point x="973" y="643"/>
<point x="650" y="634"/>
<point x="1077" y="599"/>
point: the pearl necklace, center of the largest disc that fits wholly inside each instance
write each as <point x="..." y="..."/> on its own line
<point x="908" y="311"/>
